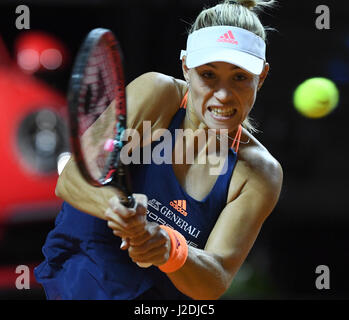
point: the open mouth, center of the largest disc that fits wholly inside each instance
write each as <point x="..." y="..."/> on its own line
<point x="222" y="112"/>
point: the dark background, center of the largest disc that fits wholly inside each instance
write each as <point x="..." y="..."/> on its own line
<point x="309" y="226"/>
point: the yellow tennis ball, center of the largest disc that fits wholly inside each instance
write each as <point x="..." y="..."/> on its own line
<point x="316" y="97"/>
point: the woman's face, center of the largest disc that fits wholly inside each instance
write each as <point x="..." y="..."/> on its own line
<point x="221" y="95"/>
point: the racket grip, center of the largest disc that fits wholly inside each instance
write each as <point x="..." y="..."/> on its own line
<point x="129" y="202"/>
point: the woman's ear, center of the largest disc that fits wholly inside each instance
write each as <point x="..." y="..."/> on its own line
<point x="185" y="69"/>
<point x="263" y="75"/>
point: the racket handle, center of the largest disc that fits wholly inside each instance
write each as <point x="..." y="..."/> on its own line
<point x="129" y="202"/>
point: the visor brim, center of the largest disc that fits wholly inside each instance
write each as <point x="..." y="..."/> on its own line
<point x="244" y="60"/>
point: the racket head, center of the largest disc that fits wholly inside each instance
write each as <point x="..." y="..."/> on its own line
<point x="97" y="110"/>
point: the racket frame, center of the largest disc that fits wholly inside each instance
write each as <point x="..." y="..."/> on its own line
<point x="116" y="172"/>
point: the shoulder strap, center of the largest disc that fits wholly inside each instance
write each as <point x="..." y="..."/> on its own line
<point x="184" y="101"/>
<point x="237" y="139"/>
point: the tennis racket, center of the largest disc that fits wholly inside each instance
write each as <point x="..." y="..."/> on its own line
<point x="97" y="113"/>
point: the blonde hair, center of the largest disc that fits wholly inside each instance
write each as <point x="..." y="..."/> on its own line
<point x="238" y="13"/>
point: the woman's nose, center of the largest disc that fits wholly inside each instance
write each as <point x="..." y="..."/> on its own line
<point x="223" y="94"/>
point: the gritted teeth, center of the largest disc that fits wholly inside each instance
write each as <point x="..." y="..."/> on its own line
<point x="222" y="111"/>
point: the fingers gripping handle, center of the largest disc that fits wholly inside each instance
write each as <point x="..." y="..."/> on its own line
<point x="140" y="264"/>
<point x="131" y="203"/>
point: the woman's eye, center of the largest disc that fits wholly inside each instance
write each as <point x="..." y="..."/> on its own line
<point x="240" y="77"/>
<point x="208" y="75"/>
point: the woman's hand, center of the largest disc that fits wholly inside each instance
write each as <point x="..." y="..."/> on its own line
<point x="154" y="247"/>
<point x="146" y="241"/>
<point x="127" y="222"/>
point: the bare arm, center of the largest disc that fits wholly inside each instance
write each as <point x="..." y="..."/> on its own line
<point x="74" y="189"/>
<point x="146" y="94"/>
<point x="208" y="273"/>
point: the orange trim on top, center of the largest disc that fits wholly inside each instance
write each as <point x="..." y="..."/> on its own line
<point x="184" y="101"/>
<point x="237" y="139"/>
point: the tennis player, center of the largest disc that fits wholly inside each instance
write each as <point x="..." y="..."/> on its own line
<point x="193" y="227"/>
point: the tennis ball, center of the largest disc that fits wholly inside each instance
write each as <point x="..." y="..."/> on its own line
<point x="316" y="97"/>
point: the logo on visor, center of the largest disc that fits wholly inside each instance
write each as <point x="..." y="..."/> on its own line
<point x="228" y="37"/>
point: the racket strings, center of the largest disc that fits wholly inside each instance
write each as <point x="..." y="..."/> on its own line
<point x="102" y="82"/>
<point x="93" y="102"/>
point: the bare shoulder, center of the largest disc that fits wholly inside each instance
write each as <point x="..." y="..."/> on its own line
<point x="260" y="162"/>
<point x="253" y="193"/>
<point x="149" y="81"/>
<point x="153" y="96"/>
<point x="257" y="170"/>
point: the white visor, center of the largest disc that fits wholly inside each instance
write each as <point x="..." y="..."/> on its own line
<point x="227" y="44"/>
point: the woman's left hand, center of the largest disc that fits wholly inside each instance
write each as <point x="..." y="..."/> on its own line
<point x="127" y="222"/>
<point x="146" y="241"/>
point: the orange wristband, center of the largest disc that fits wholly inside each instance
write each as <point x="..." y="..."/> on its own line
<point x="178" y="253"/>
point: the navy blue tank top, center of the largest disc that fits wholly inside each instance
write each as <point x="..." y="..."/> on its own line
<point x="83" y="259"/>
